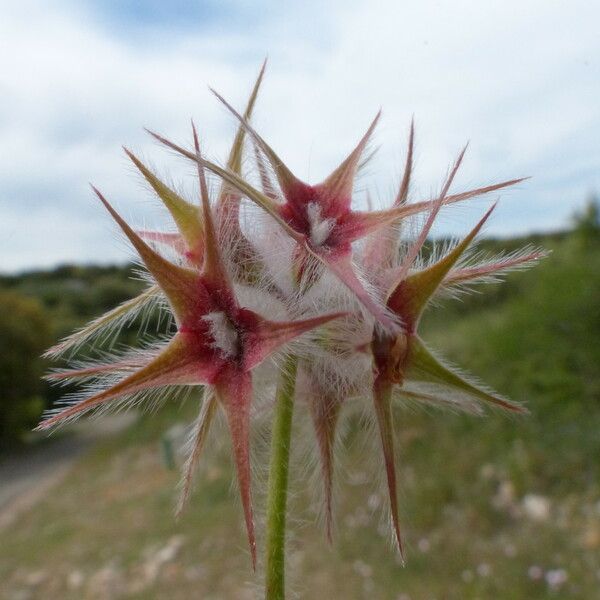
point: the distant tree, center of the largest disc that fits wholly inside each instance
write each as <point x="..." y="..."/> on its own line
<point x="24" y="334"/>
<point x="587" y="222"/>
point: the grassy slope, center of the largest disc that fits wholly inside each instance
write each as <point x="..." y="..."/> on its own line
<point x="463" y="480"/>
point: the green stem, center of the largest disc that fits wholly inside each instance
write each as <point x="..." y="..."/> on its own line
<point x="278" y="481"/>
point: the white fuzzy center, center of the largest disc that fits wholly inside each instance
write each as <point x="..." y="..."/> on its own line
<point x="224" y="334"/>
<point x="319" y="228"/>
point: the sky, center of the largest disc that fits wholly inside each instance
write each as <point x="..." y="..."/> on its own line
<point x="519" y="81"/>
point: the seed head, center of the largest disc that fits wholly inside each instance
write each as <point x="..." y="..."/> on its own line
<point x="352" y="313"/>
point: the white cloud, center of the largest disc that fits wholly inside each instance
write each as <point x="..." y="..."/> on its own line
<point x="521" y="81"/>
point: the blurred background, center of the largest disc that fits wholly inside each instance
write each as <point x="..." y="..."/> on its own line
<point x="493" y="507"/>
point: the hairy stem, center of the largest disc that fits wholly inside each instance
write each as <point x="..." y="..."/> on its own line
<point x="278" y="482"/>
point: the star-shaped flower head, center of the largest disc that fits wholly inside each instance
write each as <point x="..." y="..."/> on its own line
<point x="218" y="342"/>
<point x="320" y="217"/>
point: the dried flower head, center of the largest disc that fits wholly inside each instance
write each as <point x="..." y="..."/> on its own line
<point x="346" y="285"/>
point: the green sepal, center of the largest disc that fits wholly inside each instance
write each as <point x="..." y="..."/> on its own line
<point x="423" y="365"/>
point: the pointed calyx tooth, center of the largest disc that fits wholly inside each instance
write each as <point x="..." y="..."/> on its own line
<point x="200" y="433"/>
<point x="381" y="249"/>
<point x="213" y="267"/>
<point x="180" y="285"/>
<point x="374" y="220"/>
<point x="269" y="336"/>
<point x="382" y="397"/>
<point x="325" y="410"/>
<point x="228" y="200"/>
<point x="268" y="188"/>
<point x="496" y="266"/>
<point x="234" y="162"/>
<point x="417" y="207"/>
<point x="235" y="393"/>
<point x="185" y="215"/>
<point x="106" y="323"/>
<point x="95" y="370"/>
<point x="174" y="365"/>
<point x="287" y="180"/>
<point x="425" y="366"/>
<point x="410" y="294"/>
<point x="402" y="196"/>
<point x="415" y="248"/>
<point x="340" y="183"/>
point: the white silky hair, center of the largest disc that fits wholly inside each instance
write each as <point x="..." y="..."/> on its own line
<point x="224" y="334"/>
<point x="320" y="228"/>
<point x="503" y="264"/>
<point x="104" y="330"/>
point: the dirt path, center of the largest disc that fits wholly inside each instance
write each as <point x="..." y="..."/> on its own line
<point x="27" y="477"/>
